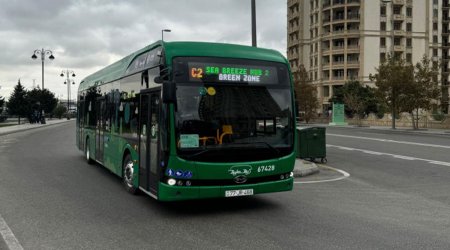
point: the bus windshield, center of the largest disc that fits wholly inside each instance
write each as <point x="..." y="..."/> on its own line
<point x="231" y="110"/>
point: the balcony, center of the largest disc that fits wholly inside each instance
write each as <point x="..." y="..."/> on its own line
<point x="399" y="33"/>
<point x="353" y="16"/>
<point x="337" y="3"/>
<point x="293" y="56"/>
<point x="338" y="63"/>
<point x="353" y="63"/>
<point x="292" y="42"/>
<point x="353" y="2"/>
<point x="338" y="48"/>
<point x="352" y="48"/>
<point x="398" y="2"/>
<point x="399" y="17"/>
<point x="399" y="48"/>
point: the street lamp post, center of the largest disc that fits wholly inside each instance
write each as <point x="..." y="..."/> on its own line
<point x="42" y="52"/>
<point x="68" y="81"/>
<point x="253" y="23"/>
<point x="162" y="33"/>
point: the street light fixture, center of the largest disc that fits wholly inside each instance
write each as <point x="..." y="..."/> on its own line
<point x="162" y="33"/>
<point x="68" y="73"/>
<point x="43" y="53"/>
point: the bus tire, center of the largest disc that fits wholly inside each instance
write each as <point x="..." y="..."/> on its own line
<point x="128" y="174"/>
<point x="87" y="152"/>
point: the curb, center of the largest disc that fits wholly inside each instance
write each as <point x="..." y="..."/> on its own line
<point x="304" y="168"/>
<point x="31" y="128"/>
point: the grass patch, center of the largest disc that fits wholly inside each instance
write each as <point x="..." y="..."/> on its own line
<point x="7" y="125"/>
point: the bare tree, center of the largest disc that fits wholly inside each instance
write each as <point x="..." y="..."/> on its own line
<point x="305" y="94"/>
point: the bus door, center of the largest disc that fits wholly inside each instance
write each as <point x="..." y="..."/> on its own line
<point x="99" y="131"/>
<point x="149" y="171"/>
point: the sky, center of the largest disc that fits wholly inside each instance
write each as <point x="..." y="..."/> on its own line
<point x="87" y="35"/>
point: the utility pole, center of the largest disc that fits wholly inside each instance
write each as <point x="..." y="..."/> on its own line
<point x="253" y="23"/>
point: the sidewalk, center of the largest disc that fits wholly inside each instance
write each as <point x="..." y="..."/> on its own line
<point x="404" y="130"/>
<point x="27" y="126"/>
<point x="304" y="168"/>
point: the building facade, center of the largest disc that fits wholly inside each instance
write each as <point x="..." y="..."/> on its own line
<point x="341" y="40"/>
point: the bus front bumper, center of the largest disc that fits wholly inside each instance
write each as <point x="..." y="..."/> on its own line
<point x="176" y="193"/>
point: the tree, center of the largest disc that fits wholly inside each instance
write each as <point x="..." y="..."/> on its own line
<point x="355" y="98"/>
<point x="305" y="94"/>
<point x="358" y="100"/>
<point x="18" y="103"/>
<point x="2" y="103"/>
<point x="393" y="78"/>
<point x="59" y="111"/>
<point x="423" y="91"/>
<point x="43" y="99"/>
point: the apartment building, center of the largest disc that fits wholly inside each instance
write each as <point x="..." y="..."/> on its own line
<point x="341" y="40"/>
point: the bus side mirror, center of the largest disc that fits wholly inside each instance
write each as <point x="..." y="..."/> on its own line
<point x="169" y="92"/>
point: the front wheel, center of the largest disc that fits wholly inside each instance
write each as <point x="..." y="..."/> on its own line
<point x="128" y="175"/>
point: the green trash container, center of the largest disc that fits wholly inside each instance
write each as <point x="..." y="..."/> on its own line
<point x="311" y="143"/>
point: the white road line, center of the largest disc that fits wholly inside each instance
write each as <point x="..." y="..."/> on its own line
<point x="344" y="175"/>
<point x="11" y="241"/>
<point x="391" y="141"/>
<point x="403" y="157"/>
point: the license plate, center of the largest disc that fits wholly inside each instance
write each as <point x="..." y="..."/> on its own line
<point x="240" y="192"/>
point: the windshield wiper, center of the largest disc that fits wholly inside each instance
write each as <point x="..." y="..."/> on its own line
<point x="260" y="142"/>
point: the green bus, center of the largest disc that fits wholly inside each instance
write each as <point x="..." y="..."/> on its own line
<point x="191" y="120"/>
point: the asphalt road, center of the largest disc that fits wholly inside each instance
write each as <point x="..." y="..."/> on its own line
<point x="51" y="199"/>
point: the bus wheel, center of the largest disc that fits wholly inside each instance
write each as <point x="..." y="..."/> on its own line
<point x="88" y="153"/>
<point x="128" y="171"/>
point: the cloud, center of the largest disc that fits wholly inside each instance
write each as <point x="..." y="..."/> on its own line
<point x="88" y="35"/>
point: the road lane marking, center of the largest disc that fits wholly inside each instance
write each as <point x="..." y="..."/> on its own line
<point x="391" y="141"/>
<point x="402" y="157"/>
<point x="344" y="175"/>
<point x="8" y="236"/>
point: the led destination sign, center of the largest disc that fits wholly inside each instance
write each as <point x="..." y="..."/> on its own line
<point x="214" y="72"/>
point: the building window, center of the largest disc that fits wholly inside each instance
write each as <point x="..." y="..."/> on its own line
<point x="397" y="41"/>
<point x="435" y="13"/>
<point x="409" y="27"/>
<point x="383" y="42"/>
<point x="383" y="26"/>
<point x="435" y="39"/>
<point x="397" y="9"/>
<point x="326" y="91"/>
<point x="409" y="58"/>
<point x="397" y="26"/>
<point x="382" y="57"/>
<point x="409" y="42"/>
<point x="409" y="12"/>
<point x="383" y="10"/>
<point x="435" y="52"/>
<point x="435" y="26"/>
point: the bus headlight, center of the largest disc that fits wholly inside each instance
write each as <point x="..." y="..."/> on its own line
<point x="180" y="183"/>
<point x="171" y="182"/>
